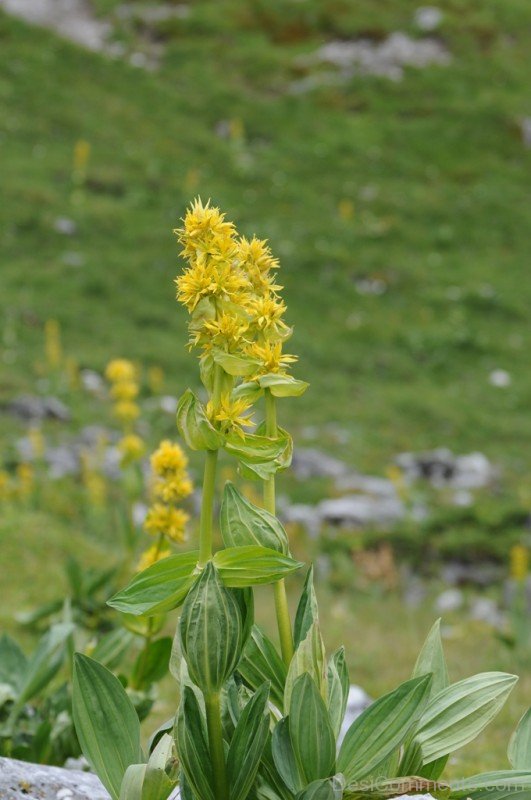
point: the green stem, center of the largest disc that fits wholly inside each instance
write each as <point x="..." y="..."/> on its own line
<point x="207" y="507"/>
<point x="215" y="739"/>
<point x="279" y="588"/>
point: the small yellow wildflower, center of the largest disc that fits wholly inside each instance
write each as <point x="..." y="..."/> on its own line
<point x="5" y="485"/>
<point x="151" y="556"/>
<point x="519" y="558"/>
<point x="124" y="390"/>
<point x="126" y="411"/>
<point x="25" y="476"/>
<point x="169" y="457"/>
<point x="169" y="521"/>
<point x="201" y="224"/>
<point x="54" y="350"/>
<point x="120" y="369"/>
<point x="37" y="442"/>
<point x="156" y="379"/>
<point x="271" y="356"/>
<point x="227" y="331"/>
<point x="231" y="414"/>
<point x="266" y="312"/>
<point x="171" y="490"/>
<point x="132" y="448"/>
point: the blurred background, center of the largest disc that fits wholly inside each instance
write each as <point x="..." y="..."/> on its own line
<point x="383" y="149"/>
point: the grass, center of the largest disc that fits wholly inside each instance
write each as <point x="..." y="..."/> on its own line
<point x="433" y="175"/>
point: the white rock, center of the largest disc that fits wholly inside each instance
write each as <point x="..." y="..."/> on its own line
<point x="428" y="18"/>
<point x="449" y="600"/>
<point x="500" y="378"/>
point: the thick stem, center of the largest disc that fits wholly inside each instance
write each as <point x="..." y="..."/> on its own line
<point x="215" y="740"/>
<point x="281" y="599"/>
<point x="207" y="507"/>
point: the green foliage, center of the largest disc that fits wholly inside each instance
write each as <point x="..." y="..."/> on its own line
<point x="243" y="523"/>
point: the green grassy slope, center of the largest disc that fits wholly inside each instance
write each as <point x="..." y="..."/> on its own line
<point x="434" y="168"/>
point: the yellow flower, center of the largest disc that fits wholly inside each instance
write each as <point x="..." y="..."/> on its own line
<point x="255" y="256"/>
<point x="231" y="414"/>
<point x="37" y="442"/>
<point x="25" y="475"/>
<point x="271" y="356"/>
<point x="156" y="379"/>
<point x="169" y="521"/>
<point x="171" y="490"/>
<point x="126" y="411"/>
<point x="124" y="390"/>
<point x="131" y="447"/>
<point x="120" y="369"/>
<point x="169" y="457"/>
<point x="266" y="312"/>
<point x="151" y="556"/>
<point x="54" y="350"/>
<point x="519" y="556"/>
<point x="209" y="279"/>
<point x="227" y="331"/>
<point x="201" y="224"/>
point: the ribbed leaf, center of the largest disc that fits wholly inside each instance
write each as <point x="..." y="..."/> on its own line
<point x="194" y="425"/>
<point x="253" y="565"/>
<point x="431" y="659"/>
<point x="13" y="662"/>
<point x="106" y="722"/>
<point x="111" y="648"/>
<point x="519" y="751"/>
<point x="455" y="716"/>
<point x="261" y="662"/>
<point x="382" y="728"/>
<point x="192" y="747"/>
<point x="243" y="523"/>
<point x="247" y="744"/>
<point x="307" y="610"/>
<point x="132" y="782"/>
<point x="159" y="588"/>
<point x="309" y="657"/>
<point x="330" y="789"/>
<point x="44" y="662"/>
<point x="161" y="778"/>
<point x="152" y="663"/>
<point x="338" y="688"/>
<point x="310" y="731"/>
<point x="211" y="631"/>
<point x="507" y="785"/>
<point x="283" y="385"/>
<point x="285" y="760"/>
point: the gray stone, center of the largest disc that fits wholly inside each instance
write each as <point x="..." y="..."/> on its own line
<point x="22" y="781"/>
<point x="428" y="18"/>
<point x="443" y="469"/>
<point x="484" y="609"/>
<point x="449" y="600"/>
<point x="358" y="511"/>
<point x="93" y="382"/>
<point x="358" y="701"/>
<point x="72" y="19"/>
<point x="32" y="407"/>
<point x="483" y="575"/>
<point x="500" y="378"/>
<point x="366" y="484"/>
<point x="305" y="515"/>
<point x="65" y="226"/>
<point x="309" y="462"/>
<point x="526" y="131"/>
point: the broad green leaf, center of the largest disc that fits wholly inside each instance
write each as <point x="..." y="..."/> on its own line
<point x="382" y="728"/>
<point x="13" y="663"/>
<point x="338" y="688"/>
<point x="253" y="565"/>
<point x="307" y="610"/>
<point x="283" y="460"/>
<point x="45" y="661"/>
<point x="261" y="662"/>
<point x="152" y="663"/>
<point x="330" y="789"/>
<point x="242" y="523"/>
<point x="111" y="648"/>
<point x="238" y="366"/>
<point x="269" y="785"/>
<point x="455" y="716"/>
<point x="211" y="631"/>
<point x="285" y="760"/>
<point x="106" y="722"/>
<point x="161" y="771"/>
<point x="383" y="789"/>
<point x="247" y="744"/>
<point x="310" y="731"/>
<point x="506" y="785"/>
<point x="132" y="782"/>
<point x="283" y="385"/>
<point x="309" y="657"/>
<point x="249" y="391"/>
<point x="159" y="588"/>
<point x="431" y="659"/>
<point x="254" y="448"/>
<point x="519" y="751"/>
<point x="194" y="425"/>
<point x="192" y="747"/>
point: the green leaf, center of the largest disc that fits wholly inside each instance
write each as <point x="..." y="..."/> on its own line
<point x="382" y="728"/>
<point x="338" y="688"/>
<point x="242" y="523"/>
<point x="248" y="744"/>
<point x="506" y="785"/>
<point x="106" y="722"/>
<point x="13" y="663"/>
<point x="329" y="789"/>
<point x="132" y="782"/>
<point x="254" y="448"/>
<point x="309" y="657"/>
<point x="112" y="646"/>
<point x="283" y="385"/>
<point x="431" y="659"/>
<point x="286" y="763"/>
<point x="158" y="784"/>
<point x="237" y="366"/>
<point x="45" y="661"/>
<point x="192" y="746"/>
<point x="261" y="662"/>
<point x="310" y="731"/>
<point x="159" y="588"/>
<point x="383" y="789"/>
<point x="250" y="391"/>
<point x="455" y="716"/>
<point x="152" y="662"/>
<point x="519" y="751"/>
<point x="307" y="610"/>
<point x="211" y="631"/>
<point x="194" y="425"/>
<point x="253" y="565"/>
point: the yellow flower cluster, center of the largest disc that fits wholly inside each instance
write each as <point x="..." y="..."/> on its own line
<point x="519" y="558"/>
<point x="229" y="288"/>
<point x="131" y="447"/>
<point x="122" y="376"/>
<point x="171" y="485"/>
